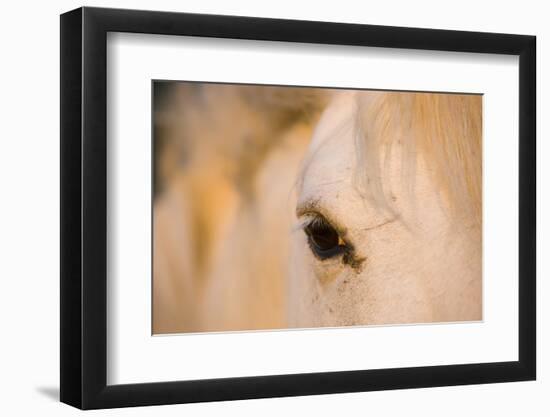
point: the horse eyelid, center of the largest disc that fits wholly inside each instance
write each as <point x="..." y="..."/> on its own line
<point x="310" y="217"/>
<point x="314" y="208"/>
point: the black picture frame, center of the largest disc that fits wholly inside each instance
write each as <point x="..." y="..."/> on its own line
<point x="84" y="207"/>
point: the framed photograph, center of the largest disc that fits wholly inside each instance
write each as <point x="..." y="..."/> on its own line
<point x="259" y="208"/>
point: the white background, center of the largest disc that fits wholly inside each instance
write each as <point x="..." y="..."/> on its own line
<point x="134" y="356"/>
<point x="29" y="214"/>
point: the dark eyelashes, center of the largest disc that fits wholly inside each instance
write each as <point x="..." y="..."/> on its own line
<point x="317" y="221"/>
<point x="323" y="239"/>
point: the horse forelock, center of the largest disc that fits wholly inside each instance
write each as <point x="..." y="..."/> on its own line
<point x="442" y="129"/>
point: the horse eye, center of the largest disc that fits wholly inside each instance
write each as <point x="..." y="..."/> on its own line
<point x="323" y="239"/>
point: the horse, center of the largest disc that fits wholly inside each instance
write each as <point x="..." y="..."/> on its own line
<point x="225" y="168"/>
<point x="303" y="208"/>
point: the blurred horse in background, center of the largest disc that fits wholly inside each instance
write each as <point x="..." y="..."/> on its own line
<point x="227" y="165"/>
<point x="298" y="207"/>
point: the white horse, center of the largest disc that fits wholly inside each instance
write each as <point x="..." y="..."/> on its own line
<point x="390" y="205"/>
<point x="370" y="214"/>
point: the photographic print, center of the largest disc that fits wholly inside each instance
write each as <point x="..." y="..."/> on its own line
<point x="278" y="207"/>
<point x="309" y="202"/>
